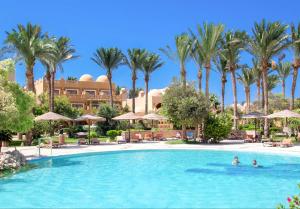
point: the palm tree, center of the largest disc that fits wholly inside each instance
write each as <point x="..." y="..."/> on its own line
<point x="284" y="70"/>
<point x="195" y="54"/>
<point x="135" y="60"/>
<point x="108" y="59"/>
<point x="223" y="70"/>
<point x="182" y="53"/>
<point x="247" y="79"/>
<point x="29" y="44"/>
<point x="232" y="44"/>
<point x="150" y="64"/>
<point x="295" y="33"/>
<point x="269" y="39"/>
<point x="61" y="51"/>
<point x="257" y="76"/>
<point x="273" y="81"/>
<point x="208" y="43"/>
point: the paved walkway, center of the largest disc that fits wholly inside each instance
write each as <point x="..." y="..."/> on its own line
<point x="32" y="152"/>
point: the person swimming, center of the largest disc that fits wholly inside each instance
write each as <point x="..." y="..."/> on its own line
<point x="235" y="161"/>
<point x="255" y="164"/>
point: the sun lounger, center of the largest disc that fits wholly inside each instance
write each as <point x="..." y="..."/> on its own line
<point x="121" y="139"/>
<point x="286" y="143"/>
<point x="148" y="136"/>
<point x="95" y="141"/>
<point x="136" y="138"/>
<point x="81" y="141"/>
<point x="158" y="137"/>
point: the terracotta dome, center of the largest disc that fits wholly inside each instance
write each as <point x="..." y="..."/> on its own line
<point x="86" y="77"/>
<point x="102" y="78"/>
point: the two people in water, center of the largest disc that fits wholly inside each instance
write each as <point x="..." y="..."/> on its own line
<point x="236" y="162"/>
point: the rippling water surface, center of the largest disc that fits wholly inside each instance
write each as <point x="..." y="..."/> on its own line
<point x="154" y="179"/>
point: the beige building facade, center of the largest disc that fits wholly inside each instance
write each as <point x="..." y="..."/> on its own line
<point x="86" y="93"/>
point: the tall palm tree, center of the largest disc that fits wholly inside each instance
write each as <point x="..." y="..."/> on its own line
<point x="109" y="59"/>
<point x="284" y="70"/>
<point x="273" y="81"/>
<point x="207" y="41"/>
<point x="247" y="79"/>
<point x="135" y="60"/>
<point x="181" y="54"/>
<point x="295" y="33"/>
<point x="232" y="45"/>
<point x="195" y="54"/>
<point x="221" y="66"/>
<point x="257" y="76"/>
<point x="28" y="42"/>
<point x="269" y="39"/>
<point x="150" y="64"/>
<point x="61" y="51"/>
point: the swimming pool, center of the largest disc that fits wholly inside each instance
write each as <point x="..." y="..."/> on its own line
<point x="153" y="179"/>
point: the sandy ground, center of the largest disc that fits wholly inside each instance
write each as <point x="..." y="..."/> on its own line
<point x="32" y="152"/>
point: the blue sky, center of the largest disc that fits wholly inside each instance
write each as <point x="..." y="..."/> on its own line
<point x="149" y="24"/>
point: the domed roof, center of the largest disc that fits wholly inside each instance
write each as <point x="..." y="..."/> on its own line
<point x="86" y="77"/>
<point x="155" y="92"/>
<point x="102" y="78"/>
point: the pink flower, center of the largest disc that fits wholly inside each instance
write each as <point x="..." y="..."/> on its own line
<point x="289" y="199"/>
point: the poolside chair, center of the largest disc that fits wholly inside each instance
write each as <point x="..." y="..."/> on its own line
<point x="286" y="143"/>
<point x="95" y="141"/>
<point x="189" y="135"/>
<point x="136" y="138"/>
<point x="81" y="141"/>
<point x="148" y="136"/>
<point x="158" y="137"/>
<point x="121" y="139"/>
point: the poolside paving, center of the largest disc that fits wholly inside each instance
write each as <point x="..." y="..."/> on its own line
<point x="31" y="152"/>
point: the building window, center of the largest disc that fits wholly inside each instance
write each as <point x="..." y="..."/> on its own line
<point x="77" y="105"/>
<point x="90" y="92"/>
<point x="71" y="91"/>
<point x="104" y="92"/>
<point x="95" y="106"/>
<point x="56" y="91"/>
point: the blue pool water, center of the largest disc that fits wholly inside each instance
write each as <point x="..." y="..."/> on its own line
<point x="153" y="179"/>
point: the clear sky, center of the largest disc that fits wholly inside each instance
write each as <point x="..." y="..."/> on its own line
<point x="149" y="24"/>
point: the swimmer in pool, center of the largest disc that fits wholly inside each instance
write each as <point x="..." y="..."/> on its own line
<point x="235" y="161"/>
<point x="255" y="164"/>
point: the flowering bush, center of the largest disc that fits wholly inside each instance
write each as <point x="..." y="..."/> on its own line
<point x="294" y="202"/>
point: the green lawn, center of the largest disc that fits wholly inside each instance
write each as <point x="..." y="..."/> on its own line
<point x="179" y="141"/>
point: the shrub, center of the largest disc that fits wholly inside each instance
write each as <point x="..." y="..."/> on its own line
<point x="113" y="133"/>
<point x="39" y="128"/>
<point x="217" y="127"/>
<point x="294" y="202"/>
<point x="93" y="134"/>
<point x="5" y="136"/>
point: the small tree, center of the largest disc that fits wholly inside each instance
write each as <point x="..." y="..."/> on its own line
<point x="184" y="105"/>
<point x="107" y="112"/>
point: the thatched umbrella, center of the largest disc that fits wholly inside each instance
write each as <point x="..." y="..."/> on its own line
<point x="51" y="116"/>
<point x="284" y="114"/>
<point x="127" y="117"/>
<point x="89" y="119"/>
<point x="255" y="116"/>
<point x="154" y="117"/>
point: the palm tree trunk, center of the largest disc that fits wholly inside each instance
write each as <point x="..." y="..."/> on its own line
<point x="133" y="95"/>
<point x="247" y="90"/>
<point x="200" y="79"/>
<point x="30" y="77"/>
<point x="183" y="74"/>
<point x="146" y="95"/>
<point x="207" y="69"/>
<point x="283" y="88"/>
<point x="48" y="78"/>
<point x="295" y="75"/>
<point x="233" y="78"/>
<point x="223" y="93"/>
<point x="258" y="93"/>
<point x="266" y="102"/>
<point x="262" y="94"/>
<point x="111" y="99"/>
<point x="52" y="90"/>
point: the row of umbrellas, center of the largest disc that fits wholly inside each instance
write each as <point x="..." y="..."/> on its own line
<point x="89" y="119"/>
<point x="282" y="114"/>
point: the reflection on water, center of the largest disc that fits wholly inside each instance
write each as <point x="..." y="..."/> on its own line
<point x="278" y="170"/>
<point x="56" y="163"/>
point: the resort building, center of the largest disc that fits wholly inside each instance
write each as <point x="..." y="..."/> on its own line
<point x="85" y="93"/>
